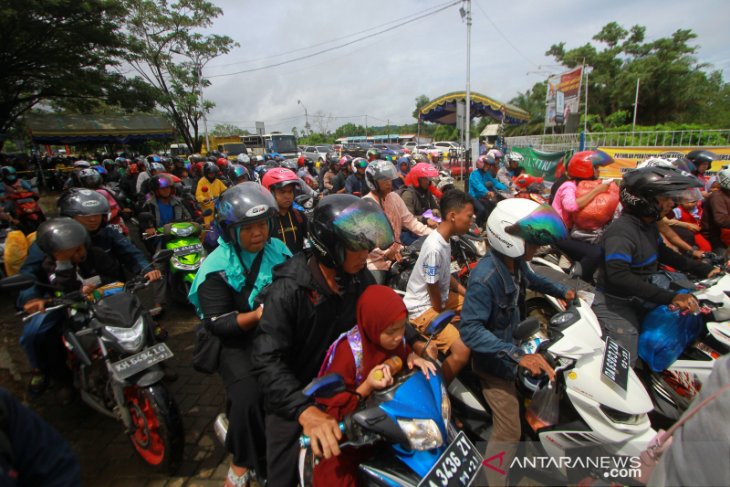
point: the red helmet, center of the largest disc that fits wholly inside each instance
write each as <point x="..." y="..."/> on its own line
<point x="421" y="170"/>
<point x="222" y="162"/>
<point x="300" y="161"/>
<point x="279" y="177"/>
<point x="581" y="165"/>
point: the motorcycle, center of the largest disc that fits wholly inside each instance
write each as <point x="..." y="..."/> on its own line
<point x="183" y="239"/>
<point x="410" y="422"/>
<point x="116" y="365"/>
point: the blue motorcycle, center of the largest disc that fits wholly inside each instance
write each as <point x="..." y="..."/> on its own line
<point x="412" y="421"/>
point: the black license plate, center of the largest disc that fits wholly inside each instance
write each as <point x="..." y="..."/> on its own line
<point x="616" y="363"/>
<point x="138" y="362"/>
<point x="457" y="467"/>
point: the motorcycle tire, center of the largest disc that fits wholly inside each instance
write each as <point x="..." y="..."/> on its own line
<point x="158" y="436"/>
<point x="541" y="309"/>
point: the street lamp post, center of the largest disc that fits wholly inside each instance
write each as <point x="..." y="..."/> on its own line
<point x="306" y="118"/>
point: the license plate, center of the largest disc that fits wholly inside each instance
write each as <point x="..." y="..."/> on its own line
<point x="457" y="467"/>
<point x="138" y="362"/>
<point x="188" y="249"/>
<point x="616" y="363"/>
<point x="455" y="267"/>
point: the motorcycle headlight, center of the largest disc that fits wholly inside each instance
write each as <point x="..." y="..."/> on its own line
<point x="445" y="405"/>
<point x="422" y="434"/>
<point x="130" y="339"/>
<point x="562" y="318"/>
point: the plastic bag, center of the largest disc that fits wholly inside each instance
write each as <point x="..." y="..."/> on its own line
<point x="599" y="211"/>
<point x="544" y="410"/>
<point x="16" y="250"/>
<point x="665" y="333"/>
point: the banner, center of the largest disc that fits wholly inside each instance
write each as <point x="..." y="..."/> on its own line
<point x="563" y="97"/>
<point x="626" y="157"/>
<point x="547" y="165"/>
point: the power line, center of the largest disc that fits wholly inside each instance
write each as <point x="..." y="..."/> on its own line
<point x="506" y="39"/>
<point x="359" y="39"/>
<point x="329" y="41"/>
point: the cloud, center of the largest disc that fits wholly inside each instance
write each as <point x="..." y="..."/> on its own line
<point x="382" y="75"/>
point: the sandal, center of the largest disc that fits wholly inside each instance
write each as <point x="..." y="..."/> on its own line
<point x="38" y="383"/>
<point x="233" y="480"/>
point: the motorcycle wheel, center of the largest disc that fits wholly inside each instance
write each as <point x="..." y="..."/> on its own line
<point x="541" y="309"/>
<point x="158" y="436"/>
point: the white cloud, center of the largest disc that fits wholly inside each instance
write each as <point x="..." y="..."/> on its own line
<point x="382" y="75"/>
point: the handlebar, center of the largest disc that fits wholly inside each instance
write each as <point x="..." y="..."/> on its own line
<point x="304" y="440"/>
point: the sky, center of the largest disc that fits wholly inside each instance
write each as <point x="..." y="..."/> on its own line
<point x="382" y="75"/>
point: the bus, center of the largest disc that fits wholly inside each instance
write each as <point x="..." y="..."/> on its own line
<point x="284" y="144"/>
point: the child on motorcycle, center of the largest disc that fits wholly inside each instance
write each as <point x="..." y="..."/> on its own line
<point x="289" y="225"/>
<point x="358" y="356"/>
<point x="208" y="189"/>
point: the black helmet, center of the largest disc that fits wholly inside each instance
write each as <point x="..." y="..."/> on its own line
<point x="212" y="169"/>
<point x="640" y="188"/>
<point x="60" y="234"/>
<point x="160" y="181"/>
<point x="240" y="205"/>
<point x="344" y="221"/>
<point x="83" y="202"/>
<point x="701" y="156"/>
<point x="89" y="178"/>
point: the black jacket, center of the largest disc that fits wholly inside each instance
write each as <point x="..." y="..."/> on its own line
<point x="290" y="229"/>
<point x="301" y="319"/>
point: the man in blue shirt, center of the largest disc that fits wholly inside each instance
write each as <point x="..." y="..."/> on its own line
<point x="482" y="184"/>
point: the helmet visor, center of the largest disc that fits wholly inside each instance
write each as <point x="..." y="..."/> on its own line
<point x="364" y="226"/>
<point x="542" y="226"/>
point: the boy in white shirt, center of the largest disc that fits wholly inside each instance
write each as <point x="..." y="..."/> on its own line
<point x="431" y="287"/>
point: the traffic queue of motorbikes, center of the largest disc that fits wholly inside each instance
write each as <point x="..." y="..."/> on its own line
<point x="428" y="429"/>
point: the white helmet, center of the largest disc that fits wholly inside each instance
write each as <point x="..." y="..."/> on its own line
<point x="517" y="221"/>
<point x="654" y="162"/>
<point x="515" y="157"/>
<point x="723" y="177"/>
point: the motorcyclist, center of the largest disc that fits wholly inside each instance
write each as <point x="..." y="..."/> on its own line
<point x="355" y="182"/>
<point x="162" y="207"/>
<point x="11" y="184"/>
<point x="209" y="188"/>
<point x="153" y="167"/>
<point x="372" y="155"/>
<point x="227" y="293"/>
<point x="288" y="224"/>
<point x="379" y="177"/>
<point x="483" y="184"/>
<point x="507" y="172"/>
<point x="345" y="169"/>
<point x="403" y="164"/>
<point x="310" y="303"/>
<point x="494" y="297"/>
<point x="715" y="223"/>
<point x="633" y="249"/>
<point x="331" y="173"/>
<point x="68" y="257"/>
<point x="238" y="174"/>
<point x="417" y="195"/>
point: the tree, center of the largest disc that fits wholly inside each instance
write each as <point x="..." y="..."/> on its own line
<point x="674" y="87"/>
<point x="322" y="122"/>
<point x="421" y="101"/>
<point x="58" y="50"/>
<point x="227" y="129"/>
<point x="532" y="101"/>
<point x="165" y="49"/>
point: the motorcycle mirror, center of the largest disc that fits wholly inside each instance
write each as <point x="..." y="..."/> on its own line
<point x="438" y="324"/>
<point x="17" y="282"/>
<point x="526" y="328"/>
<point x="325" y="386"/>
<point x="162" y="255"/>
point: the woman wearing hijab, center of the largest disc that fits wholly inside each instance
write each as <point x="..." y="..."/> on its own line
<point x="358" y="356"/>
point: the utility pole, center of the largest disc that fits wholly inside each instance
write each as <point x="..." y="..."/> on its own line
<point x="636" y="104"/>
<point x="467" y="122"/>
<point x="366" y="125"/>
<point x="306" y="118"/>
<point x="202" y="106"/>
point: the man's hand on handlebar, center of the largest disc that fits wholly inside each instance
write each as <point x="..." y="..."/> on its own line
<point x="536" y="364"/>
<point x="150" y="232"/>
<point x="36" y="305"/>
<point x="153" y="275"/>
<point x="714" y="272"/>
<point x="323" y="431"/>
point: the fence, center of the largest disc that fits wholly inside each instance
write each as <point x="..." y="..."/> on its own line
<point x="655" y="138"/>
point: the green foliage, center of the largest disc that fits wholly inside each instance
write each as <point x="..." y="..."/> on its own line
<point x="421" y="101"/>
<point x="532" y="100"/>
<point x="315" y="139"/>
<point x="616" y="119"/>
<point x="227" y="129"/>
<point x="165" y="49"/>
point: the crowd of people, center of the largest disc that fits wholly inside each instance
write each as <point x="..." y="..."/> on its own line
<point x="293" y="293"/>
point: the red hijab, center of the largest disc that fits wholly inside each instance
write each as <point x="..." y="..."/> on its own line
<point x="377" y="309"/>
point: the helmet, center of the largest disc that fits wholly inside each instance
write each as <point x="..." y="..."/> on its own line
<point x="211" y="169"/>
<point x="240" y="205"/>
<point x="359" y="162"/>
<point x="121" y="162"/>
<point x="291" y="164"/>
<point x="88" y="178"/>
<point x="83" y="202"/>
<point x="515" y="157"/>
<point x="243" y="158"/>
<point x="153" y="158"/>
<point x="654" y="162"/>
<point x="279" y="177"/>
<point x="61" y="233"/>
<point x="9" y="173"/>
<point x="379" y="170"/>
<point x="100" y="169"/>
<point x="222" y="162"/>
<point x="493" y="155"/>
<point x="159" y="181"/>
<point x="333" y="157"/>
<point x="701" y="156"/>
<point x="258" y="159"/>
<point x="197" y="158"/>
<point x="581" y="165"/>
<point x="81" y="164"/>
<point x="156" y="166"/>
<point x="344" y="221"/>
<point x="639" y="189"/>
<point x="423" y="170"/>
<point x="107" y="163"/>
<point x="519" y="221"/>
<point x="236" y="172"/>
<point x="723" y="177"/>
<point x="344" y="160"/>
<point x="372" y="154"/>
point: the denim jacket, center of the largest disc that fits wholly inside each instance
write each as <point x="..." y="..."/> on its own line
<point x="491" y="311"/>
